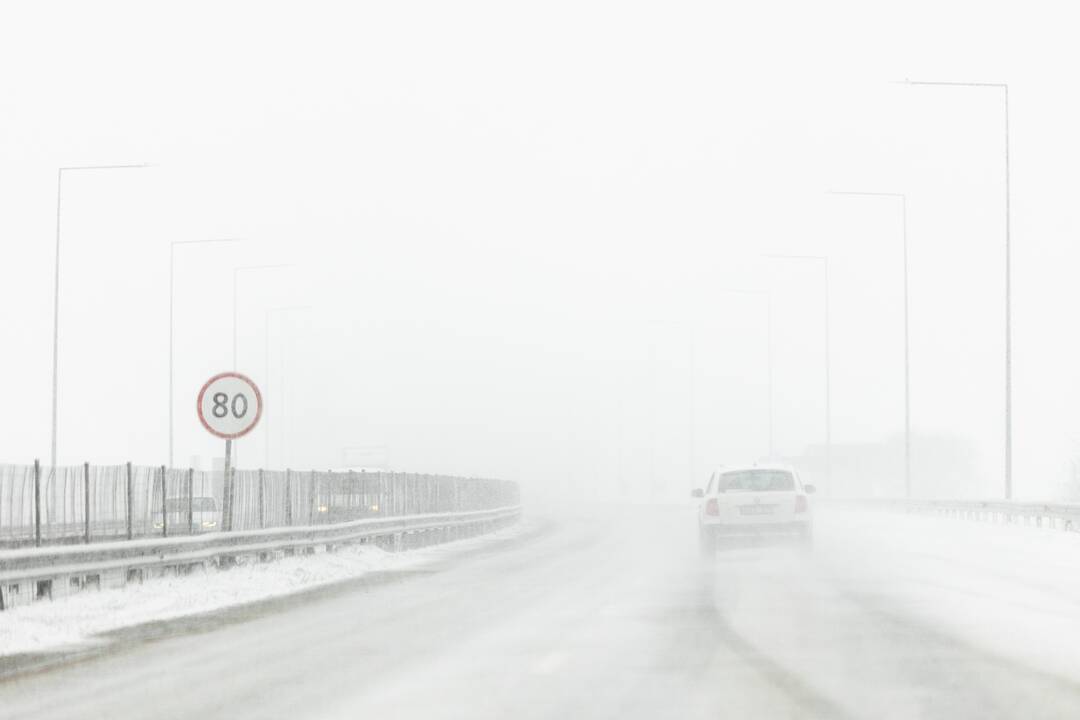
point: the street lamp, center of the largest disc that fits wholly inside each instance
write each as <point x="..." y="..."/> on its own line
<point x="172" y="285"/>
<point x="828" y="392"/>
<point x="907" y="345"/>
<point x="1008" y="267"/>
<point x="281" y="390"/>
<point x="236" y="278"/>
<point x="769" y="350"/>
<point x="56" y="288"/>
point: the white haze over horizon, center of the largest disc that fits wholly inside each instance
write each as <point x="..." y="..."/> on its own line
<point x="514" y="226"/>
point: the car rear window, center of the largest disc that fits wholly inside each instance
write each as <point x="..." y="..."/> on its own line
<point x="757" y="481"/>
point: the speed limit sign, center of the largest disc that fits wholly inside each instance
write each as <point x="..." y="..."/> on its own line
<point x="230" y="405"/>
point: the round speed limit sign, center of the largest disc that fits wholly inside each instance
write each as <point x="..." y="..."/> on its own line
<point x="230" y="405"/>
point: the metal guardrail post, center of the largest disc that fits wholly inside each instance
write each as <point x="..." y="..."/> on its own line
<point x="164" y="506"/>
<point x="313" y="499"/>
<point x="329" y="494"/>
<point x="86" y="503"/>
<point x="288" y="496"/>
<point x="232" y="498"/>
<point x="262" y="506"/>
<point x="352" y="494"/>
<point x="365" y="501"/>
<point x="37" y="503"/>
<point x="130" y="502"/>
<point x="191" y="501"/>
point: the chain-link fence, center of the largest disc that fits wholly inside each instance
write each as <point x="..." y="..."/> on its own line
<point x="85" y="503"/>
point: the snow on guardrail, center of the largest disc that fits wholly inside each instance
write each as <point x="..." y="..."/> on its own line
<point x="28" y="574"/>
<point x="1061" y="516"/>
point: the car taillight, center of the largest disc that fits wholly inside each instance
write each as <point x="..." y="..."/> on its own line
<point x="800" y="503"/>
<point x="712" y="507"/>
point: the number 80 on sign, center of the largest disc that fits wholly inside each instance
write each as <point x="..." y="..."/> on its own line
<point x="230" y="405"/>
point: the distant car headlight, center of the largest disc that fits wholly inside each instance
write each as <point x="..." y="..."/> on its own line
<point x="158" y="524"/>
<point x="209" y="523"/>
<point x="375" y="508"/>
<point x="323" y="508"/>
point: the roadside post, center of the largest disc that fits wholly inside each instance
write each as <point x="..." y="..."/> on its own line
<point x="229" y="407"/>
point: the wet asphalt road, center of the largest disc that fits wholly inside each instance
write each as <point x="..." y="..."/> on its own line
<point x="614" y="615"/>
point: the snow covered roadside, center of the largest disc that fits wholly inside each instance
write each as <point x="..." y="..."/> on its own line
<point x="885" y="597"/>
<point x="1009" y="589"/>
<point x="74" y="621"/>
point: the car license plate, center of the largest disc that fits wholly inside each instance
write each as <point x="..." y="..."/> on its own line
<point x="756" y="509"/>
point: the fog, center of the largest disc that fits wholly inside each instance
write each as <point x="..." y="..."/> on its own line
<point x="636" y="360"/>
<point x="511" y="235"/>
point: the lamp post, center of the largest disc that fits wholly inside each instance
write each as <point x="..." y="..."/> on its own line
<point x="172" y="287"/>
<point x="56" y="290"/>
<point x="1004" y="88"/>
<point x="236" y="279"/>
<point x="907" y="344"/>
<point x="828" y="368"/>
<point x="281" y="391"/>
<point x="769" y="351"/>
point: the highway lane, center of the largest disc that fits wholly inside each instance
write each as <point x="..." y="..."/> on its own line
<point x="608" y="615"/>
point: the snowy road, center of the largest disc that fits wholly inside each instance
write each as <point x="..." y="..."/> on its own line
<point x="616" y="616"/>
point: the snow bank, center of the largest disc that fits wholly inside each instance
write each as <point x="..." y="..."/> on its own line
<point x="75" y="620"/>
<point x="1009" y="589"/>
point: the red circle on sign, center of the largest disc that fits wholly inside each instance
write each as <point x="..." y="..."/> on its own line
<point x="258" y="403"/>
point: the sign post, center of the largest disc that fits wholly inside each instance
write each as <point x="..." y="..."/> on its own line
<point x="229" y="407"/>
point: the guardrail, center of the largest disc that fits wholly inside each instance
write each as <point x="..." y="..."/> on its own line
<point x="1059" y="516"/>
<point x="30" y="574"/>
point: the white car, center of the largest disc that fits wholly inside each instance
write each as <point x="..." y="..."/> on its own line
<point x="754" y="501"/>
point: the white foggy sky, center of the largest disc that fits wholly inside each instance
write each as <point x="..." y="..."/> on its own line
<point x="511" y="221"/>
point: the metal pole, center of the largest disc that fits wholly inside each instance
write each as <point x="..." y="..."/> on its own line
<point x="907" y="358"/>
<point x="1004" y="87"/>
<point x="164" y="505"/>
<point x="86" y="502"/>
<point x="283" y="404"/>
<point x="191" y="501"/>
<point x="226" y="490"/>
<point x="769" y="344"/>
<point x="824" y="260"/>
<point x="288" y="497"/>
<point x="56" y="295"/>
<point x="828" y="388"/>
<point x="172" y="286"/>
<point x="236" y="277"/>
<point x="280" y="392"/>
<point x="236" y="272"/>
<point x="262" y="510"/>
<point x="907" y="336"/>
<point x="56" y="322"/>
<point x="693" y="416"/>
<point x="329" y="493"/>
<point x="37" y="503"/>
<point x="768" y="352"/>
<point x="266" y="362"/>
<point x="130" y="501"/>
<point x="1008" y="308"/>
